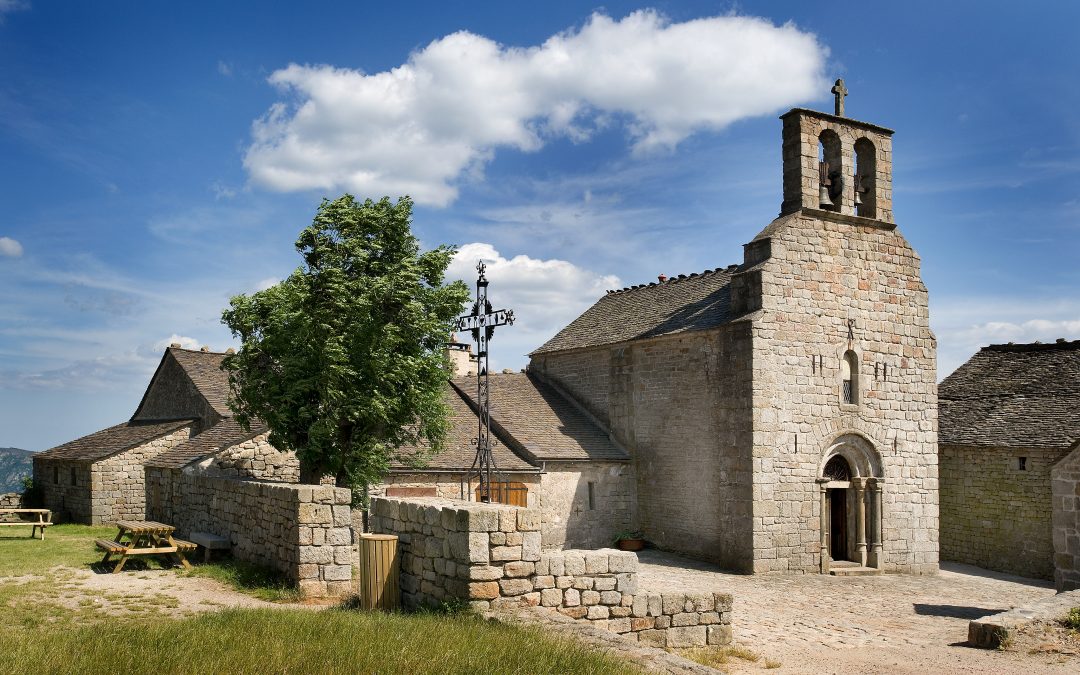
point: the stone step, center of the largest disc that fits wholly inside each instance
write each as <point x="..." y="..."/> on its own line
<point x="854" y="571"/>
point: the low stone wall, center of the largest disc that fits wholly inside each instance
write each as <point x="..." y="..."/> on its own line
<point x="490" y="555"/>
<point x="10" y="500"/>
<point x="254" y="458"/>
<point x="301" y="530"/>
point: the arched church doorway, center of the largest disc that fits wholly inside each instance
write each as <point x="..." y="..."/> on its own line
<point x="850" y="481"/>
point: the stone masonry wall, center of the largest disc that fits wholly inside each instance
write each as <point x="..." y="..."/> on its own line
<point x="571" y="519"/>
<point x="254" y="458"/>
<point x="303" y="531"/>
<point x="682" y="407"/>
<point x="68" y="499"/>
<point x="834" y="284"/>
<point x="10" y="500"/>
<point x="446" y="485"/>
<point x="118" y="483"/>
<point x="1065" y="488"/>
<point x="490" y="555"/>
<point x="993" y="514"/>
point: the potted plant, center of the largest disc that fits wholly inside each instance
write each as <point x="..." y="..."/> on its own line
<point x="630" y="541"/>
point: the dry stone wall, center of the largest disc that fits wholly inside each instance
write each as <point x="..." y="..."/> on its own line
<point x="254" y="458"/>
<point x="10" y="500"/>
<point x="993" y="514"/>
<point x="586" y="504"/>
<point x="490" y="555"/>
<point x="1066" y="521"/>
<point x="303" y="531"/>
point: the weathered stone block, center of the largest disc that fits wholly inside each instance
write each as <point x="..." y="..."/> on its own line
<point x="719" y="635"/>
<point x="622" y="561"/>
<point x="620" y="612"/>
<point x="619" y="625"/>
<point x="515" y="586"/>
<point x="590" y="598"/>
<point x="604" y="584"/>
<point x="653" y="638"/>
<point x="519" y="568"/>
<point x="541" y="582"/>
<point x="597" y="612"/>
<point x="337" y="572"/>
<point x="571" y="597"/>
<point x="610" y="597"/>
<point x="530" y="546"/>
<point x="528" y="520"/>
<point x="690" y="636"/>
<point x="684" y="619"/>
<point x="505" y="553"/>
<point x="483" y="590"/>
<point x="642" y="623"/>
<point x="596" y="563"/>
<point x="574" y="612"/>
<point x="479" y="549"/>
<point x="574" y="564"/>
<point x="551" y="597"/>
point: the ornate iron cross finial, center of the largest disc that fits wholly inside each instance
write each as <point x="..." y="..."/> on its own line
<point x="482" y="322"/>
<point x="839" y="92"/>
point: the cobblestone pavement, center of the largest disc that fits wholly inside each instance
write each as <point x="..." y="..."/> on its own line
<point x="890" y="623"/>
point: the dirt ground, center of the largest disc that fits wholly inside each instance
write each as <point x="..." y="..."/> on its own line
<point x="887" y="624"/>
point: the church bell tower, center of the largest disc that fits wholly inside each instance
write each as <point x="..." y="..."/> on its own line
<point x="834" y="163"/>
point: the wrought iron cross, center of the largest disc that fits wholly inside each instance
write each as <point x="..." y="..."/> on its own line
<point x="482" y="322"/>
<point x="839" y="92"/>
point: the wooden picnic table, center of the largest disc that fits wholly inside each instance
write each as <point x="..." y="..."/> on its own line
<point x="44" y="519"/>
<point x="144" y="537"/>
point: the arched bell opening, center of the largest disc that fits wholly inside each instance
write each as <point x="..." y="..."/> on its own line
<point x="830" y="171"/>
<point x="865" y="178"/>
<point x="850" y="482"/>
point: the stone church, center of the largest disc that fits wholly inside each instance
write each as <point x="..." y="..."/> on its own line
<point x="775" y="415"/>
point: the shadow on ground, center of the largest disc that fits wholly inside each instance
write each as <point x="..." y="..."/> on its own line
<point x="953" y="611"/>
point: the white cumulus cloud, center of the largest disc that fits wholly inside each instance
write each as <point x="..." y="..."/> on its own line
<point x="418" y="128"/>
<point x="10" y="248"/>
<point x="182" y="340"/>
<point x="544" y="294"/>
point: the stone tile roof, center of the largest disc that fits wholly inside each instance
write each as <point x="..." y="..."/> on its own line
<point x="679" y="304"/>
<point x="204" y="369"/>
<point x="460" y="449"/>
<point x="224" y="434"/>
<point x="540" y="422"/>
<point x="1023" y="395"/>
<point x="106" y="442"/>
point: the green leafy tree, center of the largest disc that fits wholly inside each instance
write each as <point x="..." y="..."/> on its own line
<point x="344" y="360"/>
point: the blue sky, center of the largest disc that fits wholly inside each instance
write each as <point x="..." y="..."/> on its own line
<point x="157" y="158"/>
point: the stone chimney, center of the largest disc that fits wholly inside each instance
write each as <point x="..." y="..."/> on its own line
<point x="460" y="357"/>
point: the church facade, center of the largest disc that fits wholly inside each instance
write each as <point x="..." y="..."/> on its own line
<point x="780" y="414"/>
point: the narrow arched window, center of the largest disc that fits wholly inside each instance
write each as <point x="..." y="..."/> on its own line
<point x="830" y="171"/>
<point x="849" y="378"/>
<point x="865" y="178"/>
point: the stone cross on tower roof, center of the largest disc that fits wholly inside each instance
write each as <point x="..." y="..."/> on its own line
<point x="839" y="91"/>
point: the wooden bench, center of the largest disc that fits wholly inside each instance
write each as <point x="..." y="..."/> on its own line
<point x="110" y="546"/>
<point x="44" y="519"/>
<point x="210" y="542"/>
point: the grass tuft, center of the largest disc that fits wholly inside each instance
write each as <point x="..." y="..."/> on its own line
<point x="1072" y="619"/>
<point x="714" y="657"/>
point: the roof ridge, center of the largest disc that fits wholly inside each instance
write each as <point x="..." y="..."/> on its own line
<point x="674" y="279"/>
<point x="1060" y="343"/>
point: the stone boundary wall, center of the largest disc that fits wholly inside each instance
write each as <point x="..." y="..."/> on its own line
<point x="10" y="500"/>
<point x="490" y="556"/>
<point x="253" y="458"/>
<point x="303" y="531"/>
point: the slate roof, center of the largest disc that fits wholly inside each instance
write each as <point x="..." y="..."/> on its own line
<point x="204" y="369"/>
<point x="679" y="304"/>
<point x="224" y="434"/>
<point x="460" y="449"/>
<point x="1023" y="395"/>
<point x="540" y="422"/>
<point x="106" y="442"/>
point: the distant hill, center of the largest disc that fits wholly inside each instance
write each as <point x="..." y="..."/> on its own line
<point x="14" y="465"/>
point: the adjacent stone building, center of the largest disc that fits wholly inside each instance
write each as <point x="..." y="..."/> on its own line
<point x="779" y="414"/>
<point x="1010" y="417"/>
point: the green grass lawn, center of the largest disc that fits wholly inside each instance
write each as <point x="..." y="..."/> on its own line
<point x="64" y="545"/>
<point x="49" y="623"/>
<point x="305" y="641"/>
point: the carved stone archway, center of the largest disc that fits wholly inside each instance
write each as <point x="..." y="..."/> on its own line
<point x="850" y="470"/>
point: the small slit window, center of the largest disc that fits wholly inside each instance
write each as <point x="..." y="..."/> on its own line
<point x="56" y="475"/>
<point x="73" y="476"/>
<point x="1021" y="463"/>
<point x="849" y="378"/>
<point x="592" y="496"/>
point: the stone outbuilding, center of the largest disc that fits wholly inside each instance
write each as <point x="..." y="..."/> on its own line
<point x="1010" y="418"/>
<point x="100" y="478"/>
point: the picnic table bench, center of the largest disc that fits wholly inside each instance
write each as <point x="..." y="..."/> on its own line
<point x="44" y="519"/>
<point x="210" y="542"/>
<point x="144" y="537"/>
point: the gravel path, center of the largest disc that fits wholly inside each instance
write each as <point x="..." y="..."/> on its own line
<point x="894" y="623"/>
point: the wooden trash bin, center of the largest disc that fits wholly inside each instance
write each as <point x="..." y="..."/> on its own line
<point x="379" y="572"/>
